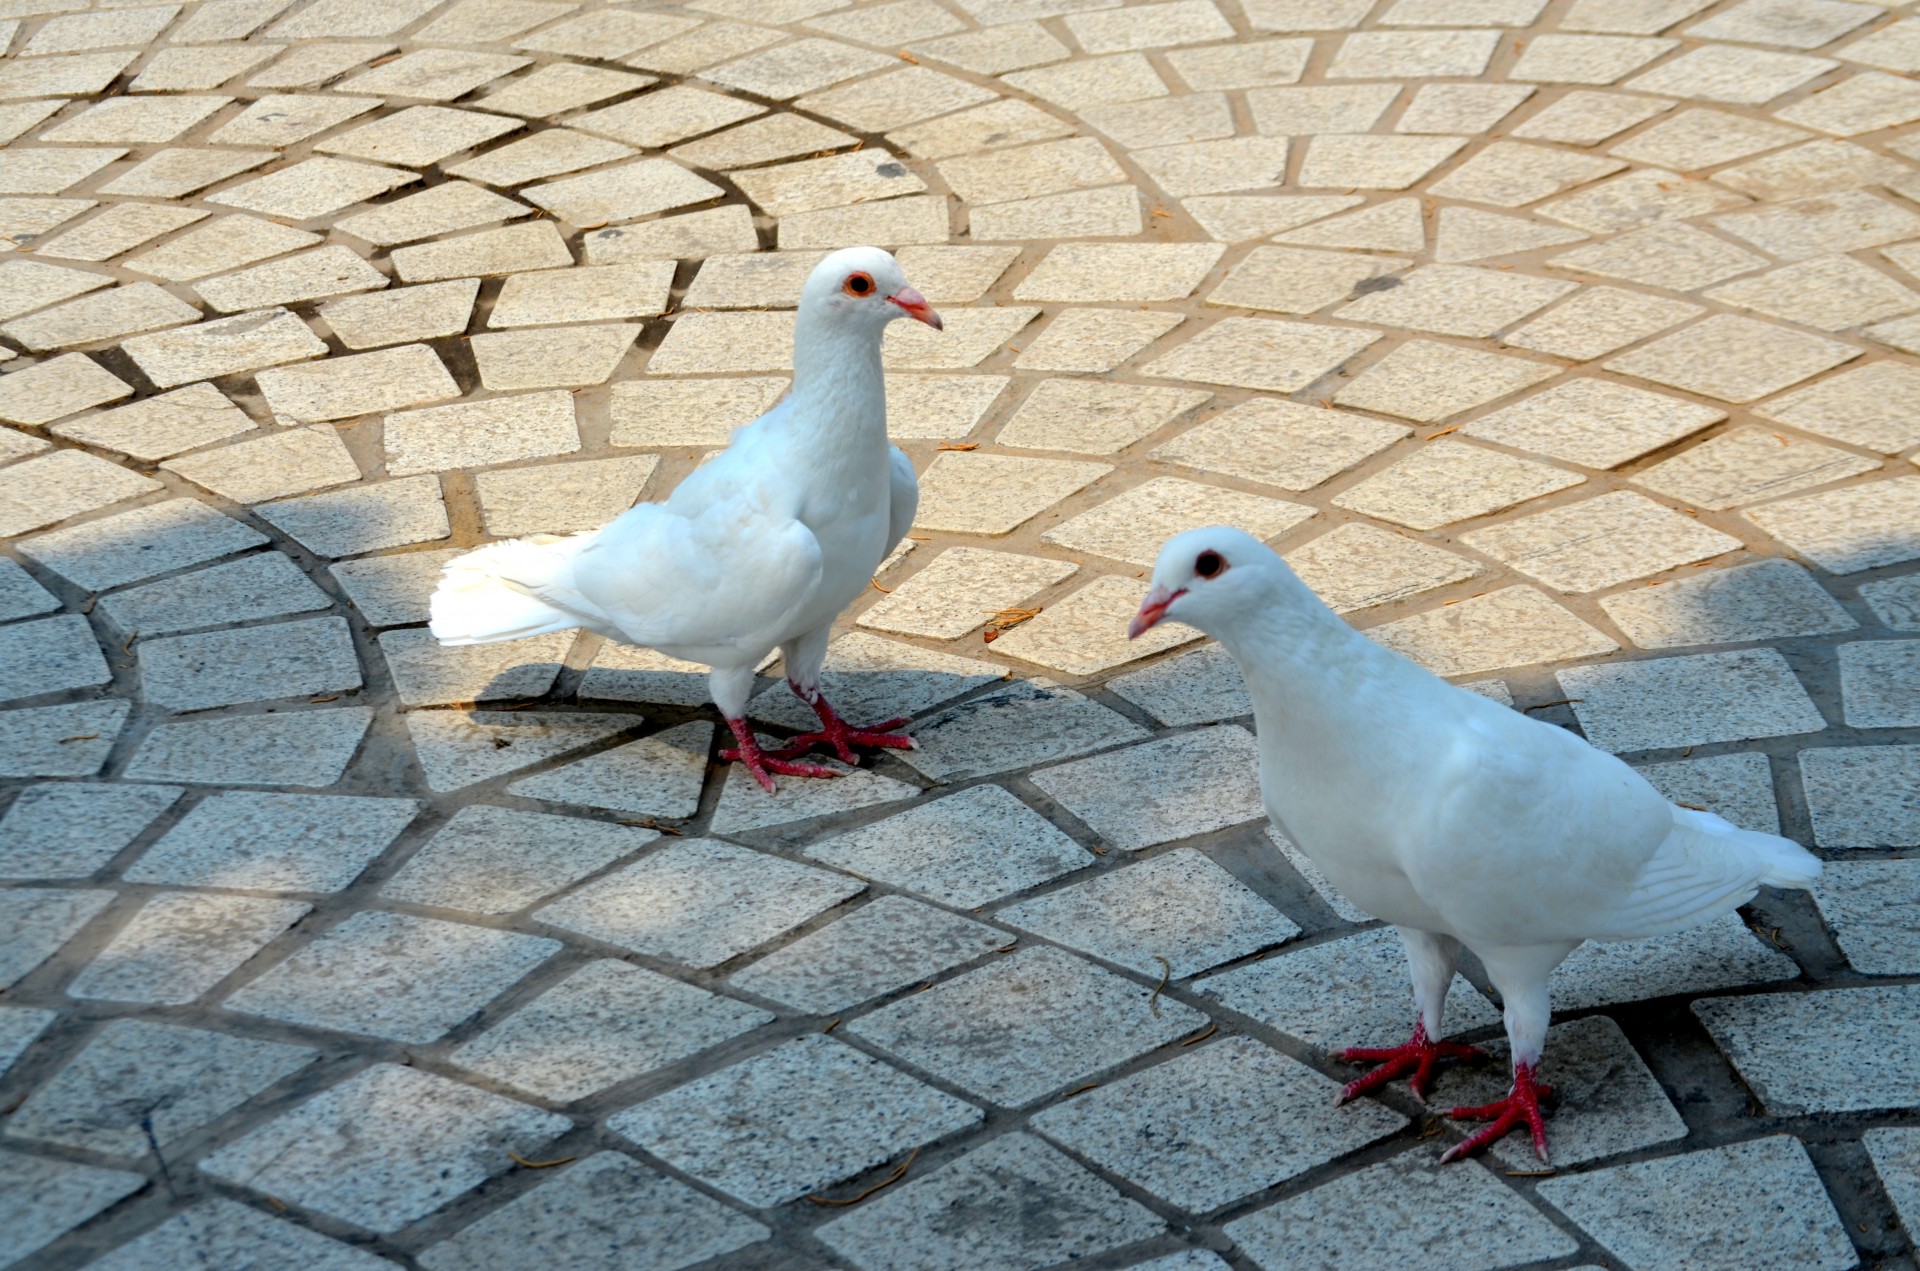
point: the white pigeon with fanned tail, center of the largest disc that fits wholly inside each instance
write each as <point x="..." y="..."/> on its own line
<point x="1458" y="820"/>
<point x="760" y="548"/>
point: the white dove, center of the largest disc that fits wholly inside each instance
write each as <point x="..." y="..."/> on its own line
<point x="759" y="548"/>
<point x="1458" y="820"/>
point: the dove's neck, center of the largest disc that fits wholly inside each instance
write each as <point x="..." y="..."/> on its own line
<point x="1303" y="665"/>
<point x="839" y="390"/>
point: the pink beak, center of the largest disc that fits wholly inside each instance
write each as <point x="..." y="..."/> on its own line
<point x="1152" y="609"/>
<point x="917" y="307"/>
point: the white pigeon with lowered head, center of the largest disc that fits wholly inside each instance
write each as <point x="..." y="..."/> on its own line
<point x="1458" y="820"/>
<point x="760" y="548"/>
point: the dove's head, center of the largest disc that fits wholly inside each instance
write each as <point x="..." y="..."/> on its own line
<point x="863" y="288"/>
<point x="1205" y="578"/>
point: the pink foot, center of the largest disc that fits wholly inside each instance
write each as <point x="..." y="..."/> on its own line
<point x="1417" y="1056"/>
<point x="761" y="764"/>
<point x="1520" y="1107"/>
<point x="836" y="733"/>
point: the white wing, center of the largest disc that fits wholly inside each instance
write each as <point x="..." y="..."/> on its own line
<point x="1704" y="867"/>
<point x="904" y="496"/>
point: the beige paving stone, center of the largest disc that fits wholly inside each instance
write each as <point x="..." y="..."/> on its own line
<point x="1840" y="222"/>
<point x="1639" y="198"/>
<point x="1594" y="423"/>
<point x="1831" y="293"/>
<point x="1513" y="627"/>
<point x="1261" y="353"/>
<point x="50" y="170"/>
<point x="665" y="117"/>
<point x="433" y="74"/>
<point x="1461" y="54"/>
<point x="1794" y="26"/>
<point x="1120" y="77"/>
<point x="118" y="228"/>
<point x="1701" y="138"/>
<point x="709" y="44"/>
<point x="1010" y="46"/>
<point x="692" y="235"/>
<point x="835" y="181"/>
<point x="24" y="219"/>
<point x="297" y="461"/>
<point x="955" y="275"/>
<point x="223" y="243"/>
<point x="348" y="18"/>
<point x="1374" y="162"/>
<point x="1448" y="481"/>
<point x="511" y="249"/>
<point x="1586" y="59"/>
<point x="895" y="99"/>
<point x="1585" y="118"/>
<point x="1358" y="566"/>
<point x="314" y="275"/>
<point x="1119" y="272"/>
<point x="172" y="174"/>
<point x="1812" y="167"/>
<point x="1469" y="234"/>
<point x="1724" y="73"/>
<point x="26" y="285"/>
<point x="1597" y="321"/>
<point x="961" y="591"/>
<point x="548" y="153"/>
<point x="418" y="136"/>
<point x="1749" y="464"/>
<point x="1237" y="218"/>
<point x="1456" y="300"/>
<point x="313" y="188"/>
<point x="562" y="497"/>
<point x="1864" y="103"/>
<point x="1004" y="176"/>
<point x="559" y="87"/>
<point x="710" y="343"/>
<point x="974" y="493"/>
<point x="750" y="280"/>
<point x="281" y="119"/>
<point x="609" y="33"/>
<point x="1156" y="26"/>
<point x="1733" y="359"/>
<point x="1094" y="340"/>
<point x="890" y="25"/>
<point x="1667" y="254"/>
<point x="1765" y="600"/>
<point x="939" y="407"/>
<point x="358" y="384"/>
<point x="58" y="387"/>
<point x="1132" y="526"/>
<point x="307" y="65"/>
<point x="1284" y="112"/>
<point x="1866" y="407"/>
<point x="1393" y="226"/>
<point x="1601" y="542"/>
<point x="1112" y="212"/>
<point x="760" y="140"/>
<point x="81" y="74"/>
<point x="971" y="336"/>
<point x="441" y="209"/>
<point x="1292" y="280"/>
<point x="796" y="67"/>
<point x="622" y="194"/>
<point x="511" y="360"/>
<point x="70" y="33"/>
<point x="996" y="125"/>
<point x="891" y="223"/>
<point x="226" y="346"/>
<point x="1086" y="633"/>
<point x="182" y="70"/>
<point x="366" y="518"/>
<point x="1850" y="529"/>
<point x="688" y="412"/>
<point x="105" y="315"/>
<point x="1242" y="64"/>
<point x="488" y="21"/>
<point x="1513" y="174"/>
<point x="481" y="434"/>
<point x="157" y="427"/>
<point x="52" y="487"/>
<point x="1164" y="121"/>
<point x="19" y="118"/>
<point x="1429" y="382"/>
<point x="583" y="293"/>
<point x="1281" y="443"/>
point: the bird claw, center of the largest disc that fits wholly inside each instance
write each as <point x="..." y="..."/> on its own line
<point x="760" y="764"/>
<point x="842" y="737"/>
<point x="1520" y="1107"/>
<point x="1417" y="1057"/>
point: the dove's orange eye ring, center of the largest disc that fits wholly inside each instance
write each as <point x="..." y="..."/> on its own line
<point x="1210" y="565"/>
<point x="858" y="285"/>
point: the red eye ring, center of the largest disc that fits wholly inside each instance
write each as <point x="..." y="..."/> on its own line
<point x="858" y="285"/>
<point x="1210" y="564"/>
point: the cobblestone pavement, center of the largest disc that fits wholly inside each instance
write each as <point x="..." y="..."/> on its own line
<point x="1566" y="345"/>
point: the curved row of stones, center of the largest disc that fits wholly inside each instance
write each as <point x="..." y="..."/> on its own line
<point x="1569" y="345"/>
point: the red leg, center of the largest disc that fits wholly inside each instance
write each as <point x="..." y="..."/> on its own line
<point x="1520" y="1107"/>
<point x="1417" y="1057"/>
<point x="760" y="763"/>
<point x="836" y="733"/>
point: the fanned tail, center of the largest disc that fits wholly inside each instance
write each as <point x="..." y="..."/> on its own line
<point x="1706" y="867"/>
<point x="506" y="591"/>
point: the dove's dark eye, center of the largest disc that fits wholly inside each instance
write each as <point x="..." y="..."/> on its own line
<point x="1209" y="565"/>
<point x="858" y="285"/>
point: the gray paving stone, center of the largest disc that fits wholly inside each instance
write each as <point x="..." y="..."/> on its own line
<point x="364" y="519"/>
<point x="773" y="1128"/>
<point x="21" y="596"/>
<point x="428" y="675"/>
<point x="139" y="1083"/>
<point x="491" y="860"/>
<point x="385" y="1147"/>
<point x="1863" y="796"/>
<point x="699" y="902"/>
<point x="1626" y="1208"/>
<point x="1894" y="601"/>
<point x="457" y="748"/>
<point x="867" y="678"/>
<point x="229" y="1234"/>
<point x="1024" y="1026"/>
<point x="180" y="945"/>
<point x="878" y="948"/>
<point x="1880" y="683"/>
<point x="41" y="1200"/>
<point x="393" y="590"/>
<point x="59" y="741"/>
<point x="300" y="748"/>
<point x="1092" y="417"/>
<point x="604" y="1024"/>
<point x="52" y="487"/>
<point x="480" y="434"/>
<point x="1737" y="787"/>
<point x="1013" y="1203"/>
<point x="274" y="842"/>
<point x="1894" y="1157"/>
<point x="1408" y="1211"/>
<point x="71" y="829"/>
<point x="19" y="1026"/>
<point x="1866" y="904"/>
<point x="1690" y="701"/>
<point x="265" y="585"/>
<point x="1215" y="1124"/>
<point x="745" y="808"/>
<point x="47" y="655"/>
<point x="150" y="540"/>
<point x="607" y="1213"/>
<point x="249" y="664"/>
<point x="393" y="975"/>
<point x="1014" y="727"/>
<point x="1357" y="566"/>
<point x="1202" y="686"/>
<point x="1115" y="794"/>
<point x="961" y="591"/>
<point x="1722" y="953"/>
<point x="1180" y="907"/>
<point x="38" y="922"/>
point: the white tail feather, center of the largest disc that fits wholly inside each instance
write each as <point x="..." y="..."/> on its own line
<point x="487" y="595"/>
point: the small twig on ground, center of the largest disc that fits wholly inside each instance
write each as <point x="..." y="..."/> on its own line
<point x="527" y="1164"/>
<point x="831" y="1024"/>
<point x="1199" y="1037"/>
<point x="1166" y="973"/>
<point x="78" y="737"/>
<point x="1080" y="1089"/>
<point x="875" y="584"/>
<point x="1558" y="701"/>
<point x="959" y="445"/>
<point x="857" y="1197"/>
